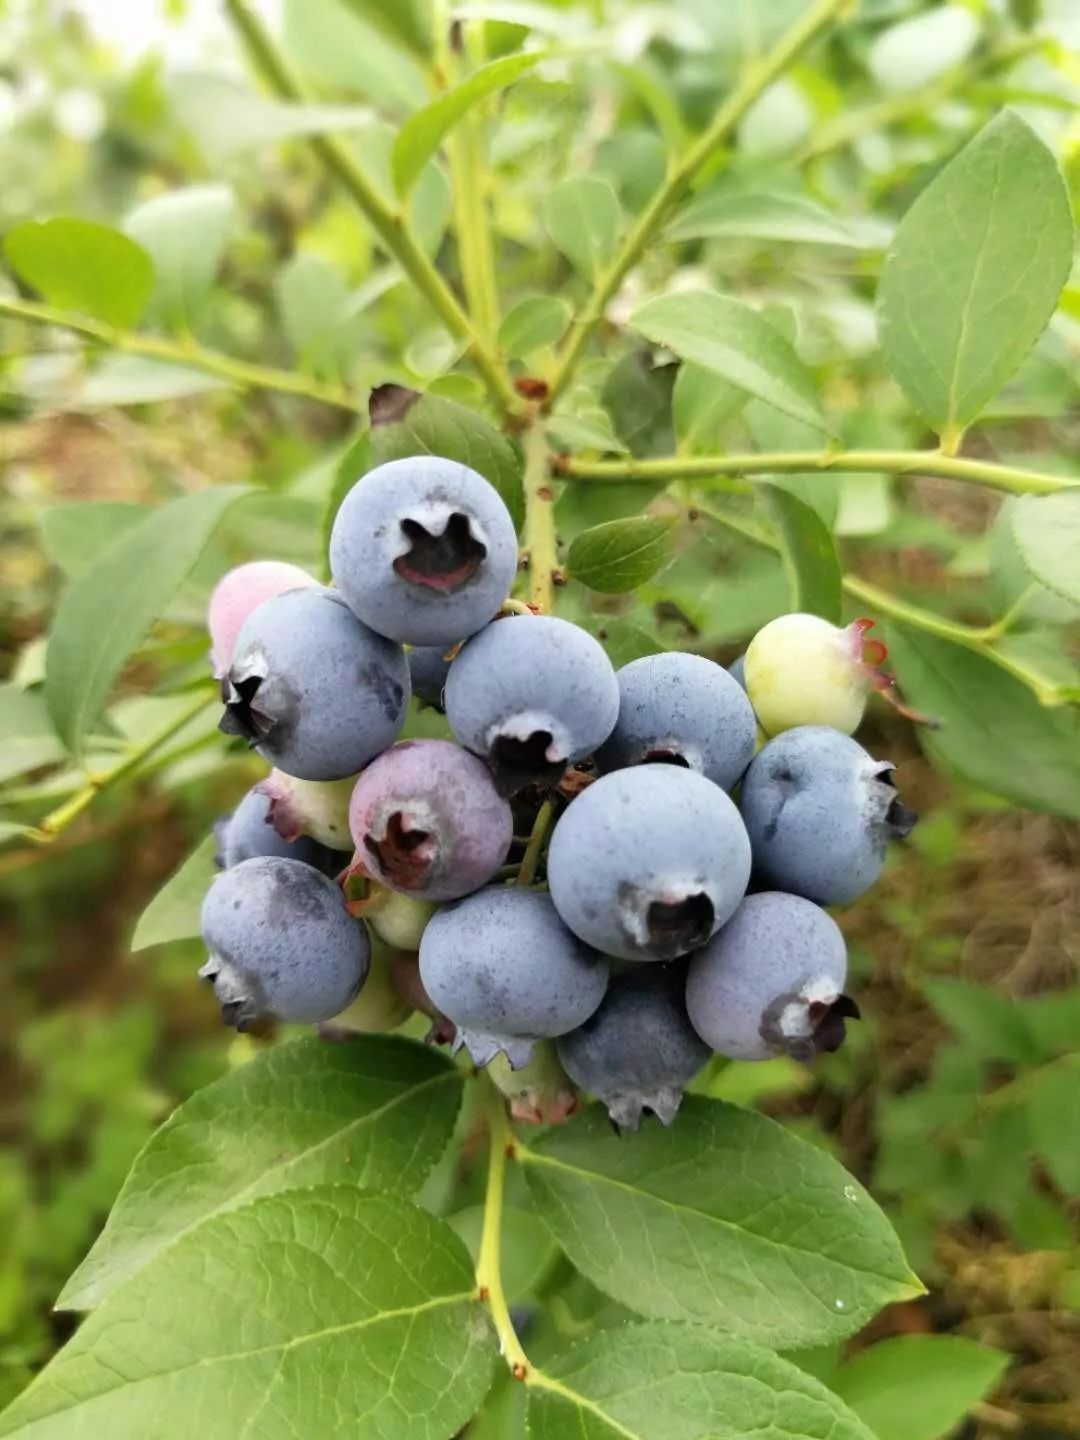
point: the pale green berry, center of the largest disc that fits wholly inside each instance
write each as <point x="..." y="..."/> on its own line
<point x="800" y="670"/>
<point x="319" y="808"/>
<point x="398" y="919"/>
<point x="380" y="1006"/>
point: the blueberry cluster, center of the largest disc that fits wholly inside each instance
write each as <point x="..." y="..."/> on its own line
<point x="666" y="921"/>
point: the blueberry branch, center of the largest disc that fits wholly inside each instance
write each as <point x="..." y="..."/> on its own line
<point x="489" y="1261"/>
<point x="972" y="637"/>
<point x="1009" y="478"/>
<point x="685" y="171"/>
<point x="540" y="545"/>
<point x="184" y="352"/>
<point x="388" y="222"/>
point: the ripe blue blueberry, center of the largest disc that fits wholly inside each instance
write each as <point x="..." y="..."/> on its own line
<point x="249" y="831"/>
<point x="771" y="982"/>
<point x="638" y="1050"/>
<point x="314" y="690"/>
<point x="427" y="821"/>
<point x="736" y="670"/>
<point x="531" y="694"/>
<point x="281" y="943"/>
<point x="820" y="812"/>
<point x="424" y="550"/>
<point x="648" y="863"/>
<point x="685" y="710"/>
<point x="428" y="669"/>
<point x="503" y="967"/>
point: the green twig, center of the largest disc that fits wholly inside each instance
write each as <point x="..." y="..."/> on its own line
<point x="684" y="172"/>
<point x="788" y="462"/>
<point x="540" y="522"/>
<point x="183" y="352"/>
<point x="59" y="819"/>
<point x="388" y="222"/>
<point x="472" y="224"/>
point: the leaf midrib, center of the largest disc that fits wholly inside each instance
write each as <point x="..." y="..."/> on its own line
<point x="529" y="1157"/>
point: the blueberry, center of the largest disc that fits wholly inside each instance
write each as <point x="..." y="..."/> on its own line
<point x="540" y="1093"/>
<point x="428" y="669"/>
<point x="249" y="832"/>
<point x="820" y="812"/>
<point x="531" y="694"/>
<point x="507" y="972"/>
<point x="281" y="943"/>
<point x="319" y="808"/>
<point x="737" y="670"/>
<point x="639" y="1050"/>
<point x="237" y="594"/>
<point x="424" y="550"/>
<point x="314" y="690"/>
<point x="771" y="982"/>
<point x="381" y="1005"/>
<point x="426" y="820"/>
<point x="647" y="863"/>
<point x="800" y="670"/>
<point x="685" y="710"/>
<point x="398" y="919"/>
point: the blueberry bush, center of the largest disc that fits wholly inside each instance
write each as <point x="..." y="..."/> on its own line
<point x="573" y="349"/>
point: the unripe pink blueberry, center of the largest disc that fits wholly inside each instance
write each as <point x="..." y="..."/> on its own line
<point x="237" y="594"/>
<point x="427" y="821"/>
<point x="801" y="670"/>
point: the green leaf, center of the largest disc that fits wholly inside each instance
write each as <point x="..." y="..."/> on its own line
<point x="110" y="606"/>
<point x="74" y="534"/>
<point x="322" y="1311"/>
<point x="173" y="914"/>
<point x="375" y="1111"/>
<point x="992" y="728"/>
<point x="635" y="162"/>
<point x="637" y="395"/>
<point x="405" y="21"/>
<point x="532" y="323"/>
<point x="992" y="1026"/>
<point x="226" y="119"/>
<point x="405" y="423"/>
<point x="918" y="50"/>
<point x="317" y="314"/>
<point x="81" y="265"/>
<point x="974" y="273"/>
<point x="918" y="1387"/>
<point x="702" y="406"/>
<point x="27" y="738"/>
<point x="734" y="342"/>
<point x="621" y="554"/>
<point x="583" y="219"/>
<point x="423" y="133"/>
<point x="134" y="380"/>
<point x="186" y="232"/>
<point x="1047" y="531"/>
<point x="810" y="559"/>
<point x="725" y="1218"/>
<point x="339" y="48"/>
<point x="741" y="216"/>
<point x="1053" y="1115"/>
<point x="681" y="1382"/>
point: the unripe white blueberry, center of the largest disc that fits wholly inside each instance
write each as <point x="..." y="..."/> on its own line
<point x="800" y="670"/>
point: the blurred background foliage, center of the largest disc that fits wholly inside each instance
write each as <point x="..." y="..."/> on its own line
<point x="958" y="1098"/>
